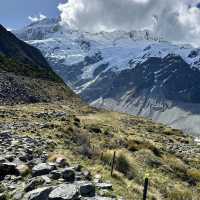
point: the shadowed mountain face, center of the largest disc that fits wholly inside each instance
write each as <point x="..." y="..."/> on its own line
<point x="25" y="75"/>
<point x="14" y="48"/>
<point x="134" y="72"/>
<point x="22" y="59"/>
<point x="170" y="78"/>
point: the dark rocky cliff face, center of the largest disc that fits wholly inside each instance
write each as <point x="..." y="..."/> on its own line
<point x="171" y="75"/>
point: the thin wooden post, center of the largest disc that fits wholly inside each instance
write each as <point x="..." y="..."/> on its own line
<point x="146" y="182"/>
<point x="89" y="141"/>
<point x="113" y="163"/>
<point x="101" y="156"/>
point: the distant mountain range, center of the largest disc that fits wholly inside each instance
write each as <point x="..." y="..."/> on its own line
<point x="134" y="72"/>
<point x="25" y="75"/>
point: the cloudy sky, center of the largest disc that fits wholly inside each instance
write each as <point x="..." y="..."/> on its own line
<point x="15" y="13"/>
<point x="175" y="20"/>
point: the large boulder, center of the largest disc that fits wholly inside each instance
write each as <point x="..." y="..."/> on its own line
<point x="42" y="169"/>
<point x="68" y="174"/>
<point x="3" y="196"/>
<point x="34" y="183"/>
<point x="8" y="169"/>
<point x="38" y="194"/>
<point x="2" y="159"/>
<point x="87" y="189"/>
<point x="65" y="192"/>
<point x="17" y="194"/>
<point x="55" y="174"/>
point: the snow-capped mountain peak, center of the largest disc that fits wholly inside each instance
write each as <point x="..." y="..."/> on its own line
<point x="135" y="72"/>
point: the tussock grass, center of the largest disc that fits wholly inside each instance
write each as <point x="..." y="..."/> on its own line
<point x="123" y="163"/>
<point x="179" y="192"/>
<point x="135" y="145"/>
<point x="194" y="174"/>
<point x="175" y="163"/>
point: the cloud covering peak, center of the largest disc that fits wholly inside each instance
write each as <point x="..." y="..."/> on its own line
<point x="175" y="20"/>
<point x="37" y="18"/>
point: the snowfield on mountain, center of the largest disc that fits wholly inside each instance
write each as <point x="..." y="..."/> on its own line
<point x="134" y="72"/>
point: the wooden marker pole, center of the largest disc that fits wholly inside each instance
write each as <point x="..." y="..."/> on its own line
<point x="101" y="156"/>
<point x="113" y="163"/>
<point x="146" y="183"/>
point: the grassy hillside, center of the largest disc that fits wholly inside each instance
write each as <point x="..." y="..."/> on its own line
<point x="23" y="83"/>
<point x="89" y="137"/>
<point x="19" y="68"/>
<point x="18" y="50"/>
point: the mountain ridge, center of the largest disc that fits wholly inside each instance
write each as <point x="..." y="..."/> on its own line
<point x="89" y="62"/>
<point x="26" y="75"/>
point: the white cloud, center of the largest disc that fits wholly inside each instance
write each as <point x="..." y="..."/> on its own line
<point x="37" y="18"/>
<point x="9" y="29"/>
<point x="172" y="19"/>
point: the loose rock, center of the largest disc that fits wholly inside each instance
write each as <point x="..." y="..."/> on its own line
<point x="38" y="194"/>
<point x="68" y="174"/>
<point x="42" y="169"/>
<point x="87" y="189"/>
<point x="65" y="192"/>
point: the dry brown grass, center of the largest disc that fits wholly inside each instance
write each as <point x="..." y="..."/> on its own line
<point x="135" y="145"/>
<point x="175" y="163"/>
<point x="194" y="174"/>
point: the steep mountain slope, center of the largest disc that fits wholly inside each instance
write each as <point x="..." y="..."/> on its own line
<point x="134" y="72"/>
<point x="25" y="75"/>
<point x="17" y="49"/>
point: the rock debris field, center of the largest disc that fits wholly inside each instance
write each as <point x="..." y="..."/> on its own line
<point x="26" y="174"/>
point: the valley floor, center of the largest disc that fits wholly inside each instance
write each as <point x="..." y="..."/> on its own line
<point x="88" y="137"/>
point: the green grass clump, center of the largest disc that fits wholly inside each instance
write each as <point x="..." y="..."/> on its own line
<point x="135" y="145"/>
<point x="123" y="165"/>
<point x="107" y="158"/>
<point x="19" y="68"/>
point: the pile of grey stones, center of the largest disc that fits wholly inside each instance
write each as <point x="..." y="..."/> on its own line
<point x="26" y="173"/>
<point x="184" y="150"/>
